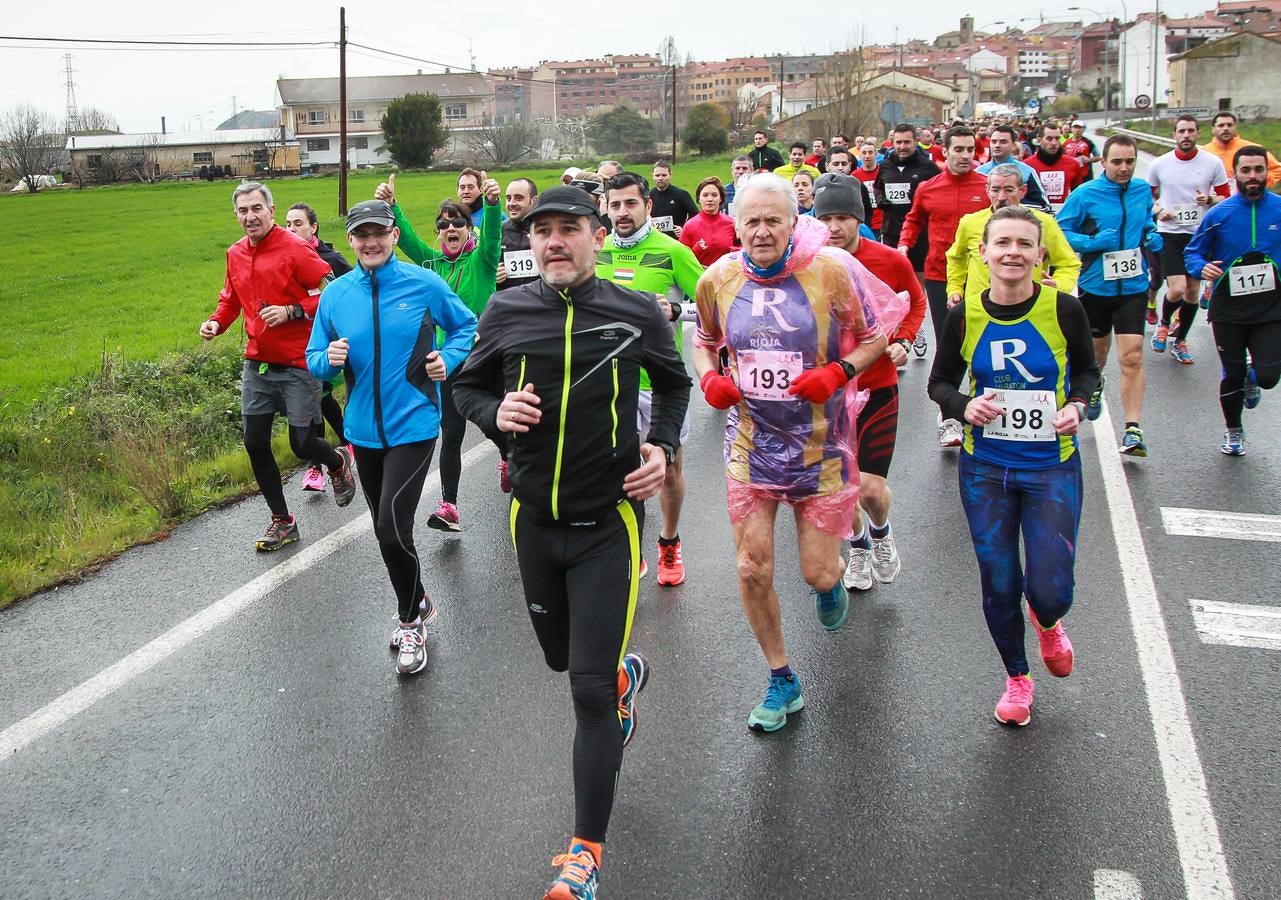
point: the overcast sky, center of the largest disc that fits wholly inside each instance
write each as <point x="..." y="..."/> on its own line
<point x="194" y="88"/>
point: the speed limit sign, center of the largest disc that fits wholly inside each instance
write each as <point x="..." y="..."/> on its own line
<point x="1143" y="101"/>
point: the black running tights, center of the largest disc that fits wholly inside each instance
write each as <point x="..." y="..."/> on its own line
<point x="303" y="441"/>
<point x="453" y="426"/>
<point x="1263" y="341"/>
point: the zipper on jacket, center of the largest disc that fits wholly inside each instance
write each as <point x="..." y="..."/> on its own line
<point x="378" y="378"/>
<point x="520" y="379"/>
<point x="613" y="405"/>
<point x="564" y="402"/>
<point x="1120" y="282"/>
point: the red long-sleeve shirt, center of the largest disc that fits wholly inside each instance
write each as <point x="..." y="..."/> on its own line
<point x="280" y="270"/>
<point x="938" y="206"/>
<point x="894" y="269"/>
<point x="710" y="237"/>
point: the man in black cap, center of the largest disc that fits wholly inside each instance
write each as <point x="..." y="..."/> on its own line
<point x="568" y="350"/>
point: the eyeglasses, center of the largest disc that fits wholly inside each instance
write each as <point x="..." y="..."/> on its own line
<point x="456" y="222"/>
<point x="371" y="235"/>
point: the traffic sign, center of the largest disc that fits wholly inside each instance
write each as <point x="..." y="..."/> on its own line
<point x="1143" y="101"/>
<point x="1173" y="112"/>
<point x="1033" y="104"/>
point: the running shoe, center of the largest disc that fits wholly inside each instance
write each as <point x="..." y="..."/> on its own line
<point x="504" y="482"/>
<point x="633" y="675"/>
<point x="579" y="875"/>
<point x="858" y="570"/>
<point x="1015" y="705"/>
<point x="919" y="347"/>
<point x="782" y="698"/>
<point x="885" y="560"/>
<point x="1132" y="444"/>
<point x="445" y="518"/>
<point x="344" y="480"/>
<point x="282" y="530"/>
<point x="1094" y="408"/>
<point x="950" y="433"/>
<point x="1056" y="649"/>
<point x="411" y="655"/>
<point x="426" y="613"/>
<point x="832" y="606"/>
<point x="1253" y="393"/>
<point x="1152" y="314"/>
<point x="314" y="480"/>
<point x="1159" y="337"/>
<point x="1233" y="442"/>
<point x="1179" y="351"/>
<point x="671" y="564"/>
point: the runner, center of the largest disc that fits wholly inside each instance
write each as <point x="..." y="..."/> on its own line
<point x="925" y="140"/>
<point x="470" y="193"/>
<point x="936" y="211"/>
<point x="671" y="206"/>
<point x="577" y="538"/>
<point x="1082" y="149"/>
<point x="764" y="157"/>
<point x="796" y="163"/>
<point x="1226" y="142"/>
<point x="1002" y="142"/>
<point x="839" y="205"/>
<point x="377" y="328"/>
<point x="867" y="173"/>
<point x="517" y="265"/>
<point x="710" y="234"/>
<point x="903" y="171"/>
<point x="803" y="185"/>
<point x="469" y="265"/>
<point x="1238" y="249"/>
<point x="608" y="168"/>
<point x="739" y="166"/>
<point x="1059" y="173"/>
<point x="1186" y="182"/>
<point x="638" y="256"/>
<point x="274" y="278"/>
<point x="1109" y="221"/>
<point x="791" y="314"/>
<point x="1026" y="349"/>
<point x="818" y="158"/>
<point x="967" y="271"/>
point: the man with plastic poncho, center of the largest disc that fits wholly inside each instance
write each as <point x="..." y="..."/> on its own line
<point x="799" y="321"/>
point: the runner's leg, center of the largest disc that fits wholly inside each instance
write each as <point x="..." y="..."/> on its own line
<point x="452" y="429"/>
<point x="754" y="545"/>
<point x="1051" y="517"/>
<point x="1231" y="339"/>
<point x="257" y="436"/>
<point x="393" y="488"/>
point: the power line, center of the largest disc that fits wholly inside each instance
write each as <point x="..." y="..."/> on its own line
<point x="133" y="42"/>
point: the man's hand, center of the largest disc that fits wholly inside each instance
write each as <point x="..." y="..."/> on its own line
<point x="209" y="329"/>
<point x="897" y="353"/>
<point x="1213" y="271"/>
<point x="982" y="411"/>
<point x="1107" y="239"/>
<point x="274" y="315"/>
<point x="954" y="299"/>
<point x="435" y="366"/>
<point x="646" y="481"/>
<point x="676" y="231"/>
<point x="665" y="305"/>
<point x="1067" y="420"/>
<point x="501" y="275"/>
<point x="338" y="353"/>
<point x="1049" y="281"/>
<point x="720" y="390"/>
<point x="492" y="192"/>
<point x="1164" y="215"/>
<point x="519" y="410"/>
<point x="387" y="190"/>
<point x="1202" y="198"/>
<point x="903" y="248"/>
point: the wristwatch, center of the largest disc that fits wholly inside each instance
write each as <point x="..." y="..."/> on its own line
<point x="1080" y="409"/>
<point x="848" y="368"/>
<point x="905" y="344"/>
<point x="667" y="452"/>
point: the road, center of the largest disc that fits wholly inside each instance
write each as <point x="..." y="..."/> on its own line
<point x="199" y="720"/>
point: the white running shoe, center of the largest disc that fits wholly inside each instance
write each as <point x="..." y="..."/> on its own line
<point x="950" y="433"/>
<point x="858" y="570"/>
<point x="885" y="561"/>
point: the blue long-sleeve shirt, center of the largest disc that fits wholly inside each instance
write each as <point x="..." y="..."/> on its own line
<point x="1101" y="217"/>
<point x="1233" y="228"/>
<point x="389" y="317"/>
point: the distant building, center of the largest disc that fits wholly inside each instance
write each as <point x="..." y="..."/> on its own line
<point x="583" y="86"/>
<point x="1238" y="72"/>
<point x="243" y="152"/>
<point x="1146" y="45"/>
<point x="251" y="118"/>
<point x="886" y="99"/>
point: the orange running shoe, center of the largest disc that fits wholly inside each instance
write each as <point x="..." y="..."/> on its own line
<point x="671" y="564"/>
<point x="579" y="875"/>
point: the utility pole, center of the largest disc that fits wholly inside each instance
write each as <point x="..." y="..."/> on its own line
<point x="73" y="116"/>
<point x="780" y="86"/>
<point x="673" y="114"/>
<point x="342" y="110"/>
<point x="1156" y="32"/>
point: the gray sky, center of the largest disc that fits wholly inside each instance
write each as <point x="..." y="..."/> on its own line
<point x="194" y="88"/>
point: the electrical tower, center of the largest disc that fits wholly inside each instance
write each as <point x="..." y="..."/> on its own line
<point x="73" y="117"/>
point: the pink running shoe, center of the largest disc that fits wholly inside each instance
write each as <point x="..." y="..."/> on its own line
<point x="314" y="480"/>
<point x="445" y="518"/>
<point x="1056" y="649"/>
<point x="1015" y="705"/>
<point x="504" y="482"/>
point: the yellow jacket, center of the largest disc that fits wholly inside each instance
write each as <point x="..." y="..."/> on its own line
<point x="967" y="273"/>
<point x="788" y="171"/>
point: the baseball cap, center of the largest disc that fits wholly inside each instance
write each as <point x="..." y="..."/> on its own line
<point x="572" y="172"/>
<point x="838" y="194"/>
<point x="376" y="211"/>
<point x="565" y="199"/>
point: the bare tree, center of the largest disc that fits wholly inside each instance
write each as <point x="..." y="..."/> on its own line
<point x="144" y="160"/>
<point x="95" y="121"/>
<point x="504" y="143"/>
<point x="668" y="56"/>
<point x="843" y="95"/>
<point x="29" y="144"/>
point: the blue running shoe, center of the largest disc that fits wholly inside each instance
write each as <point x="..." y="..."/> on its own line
<point x="579" y="875"/>
<point x="833" y="606"/>
<point x="1132" y="444"/>
<point x="1159" y="338"/>
<point x="782" y="697"/>
<point x="1094" y="408"/>
<point x="1253" y="393"/>
<point x="633" y="674"/>
<point x="1233" y="442"/>
<point x="1180" y="353"/>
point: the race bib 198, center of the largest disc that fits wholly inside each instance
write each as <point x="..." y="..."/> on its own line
<point x="1029" y="416"/>
<point x="1257" y="279"/>
<point x="767" y="374"/>
<point x="663" y="223"/>
<point x="898" y="193"/>
<point x="520" y="263"/>
<point x="1121" y="264"/>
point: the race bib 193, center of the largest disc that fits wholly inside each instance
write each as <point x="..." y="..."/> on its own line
<point x="1257" y="279"/>
<point x="1121" y="264"/>
<point x="767" y="374"/>
<point x="898" y="193"/>
<point x="1029" y="416"/>
<point x="520" y="263"/>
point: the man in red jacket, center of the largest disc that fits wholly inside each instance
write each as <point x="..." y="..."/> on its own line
<point x="274" y="277"/>
<point x="937" y="208"/>
<point x="1059" y="171"/>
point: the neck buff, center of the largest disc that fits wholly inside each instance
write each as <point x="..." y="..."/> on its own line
<point x="627" y="243"/>
<point x="770" y="271"/>
<point x="468" y="247"/>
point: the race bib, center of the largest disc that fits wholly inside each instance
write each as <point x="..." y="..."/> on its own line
<point x="1054" y="184"/>
<point x="871" y="198"/>
<point x="1185" y="215"/>
<point x="898" y="193"/>
<point x="767" y="374"/>
<point x="520" y="263"/>
<point x="1246" y="280"/>
<point x="1121" y="264"/>
<point x="1029" y="416"/>
<point x="663" y="223"/>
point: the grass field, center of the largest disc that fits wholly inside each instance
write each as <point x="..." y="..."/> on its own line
<point x="1264" y="131"/>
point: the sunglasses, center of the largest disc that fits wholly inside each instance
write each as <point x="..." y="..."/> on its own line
<point x="457" y="222"/>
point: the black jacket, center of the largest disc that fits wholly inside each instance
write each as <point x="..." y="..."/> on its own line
<point x="674" y="202"/>
<point x="569" y="468"/>
<point x="337" y="262"/>
<point x="515" y="237"/>
<point x="766" y="158"/>
<point x="918" y="169"/>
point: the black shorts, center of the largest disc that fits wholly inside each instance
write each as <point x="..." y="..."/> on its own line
<point x="1126" y="314"/>
<point x="877" y="430"/>
<point x="1172" y="248"/>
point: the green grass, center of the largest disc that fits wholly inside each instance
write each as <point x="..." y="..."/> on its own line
<point x="1263" y="131"/>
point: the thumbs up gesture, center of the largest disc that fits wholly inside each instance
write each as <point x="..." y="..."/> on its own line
<point x="387" y="190"/>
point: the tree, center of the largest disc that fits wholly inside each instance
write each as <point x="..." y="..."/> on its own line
<point x="843" y="96"/>
<point x="92" y="120"/>
<point x="620" y="130"/>
<point x="414" y="130"/>
<point x="668" y="56"/>
<point x="706" y="129"/>
<point x="29" y="144"/>
<point x="505" y="143"/>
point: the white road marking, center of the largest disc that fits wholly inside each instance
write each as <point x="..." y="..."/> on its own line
<point x="1217" y="524"/>
<point x="23" y="733"/>
<point x="1237" y="624"/>
<point x="1114" y="884"/>
<point x="1196" y="832"/>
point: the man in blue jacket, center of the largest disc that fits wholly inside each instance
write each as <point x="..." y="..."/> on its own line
<point x="376" y="326"/>
<point x="1109" y="222"/>
<point x="1238" y="249"/>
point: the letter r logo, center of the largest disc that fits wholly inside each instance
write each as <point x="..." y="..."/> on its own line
<point x="770" y="299"/>
<point x="1009" y="351"/>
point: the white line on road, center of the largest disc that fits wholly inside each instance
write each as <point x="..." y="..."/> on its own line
<point x="84" y="695"/>
<point x="1196" y="832"/>
<point x="1237" y="624"/>
<point x="1217" y="524"/>
<point x="1114" y="884"/>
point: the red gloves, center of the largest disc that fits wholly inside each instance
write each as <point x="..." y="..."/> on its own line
<point x="818" y="385"/>
<point x="720" y="390"/>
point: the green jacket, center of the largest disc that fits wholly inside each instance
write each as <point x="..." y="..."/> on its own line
<point x="471" y="275"/>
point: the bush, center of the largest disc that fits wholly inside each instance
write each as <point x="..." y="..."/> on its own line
<point x="706" y="128"/>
